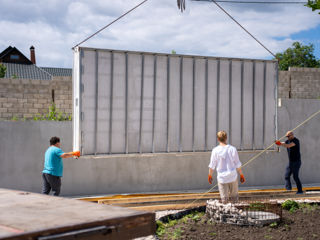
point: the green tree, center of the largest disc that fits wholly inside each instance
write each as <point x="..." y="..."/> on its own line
<point x="3" y="70"/>
<point x="298" y="56"/>
<point x="313" y="4"/>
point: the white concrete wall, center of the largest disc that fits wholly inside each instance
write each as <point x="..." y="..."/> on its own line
<point x="22" y="146"/>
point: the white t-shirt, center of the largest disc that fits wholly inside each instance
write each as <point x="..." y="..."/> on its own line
<point x="226" y="160"/>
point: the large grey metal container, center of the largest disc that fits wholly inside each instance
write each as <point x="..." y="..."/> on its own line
<point x="139" y="102"/>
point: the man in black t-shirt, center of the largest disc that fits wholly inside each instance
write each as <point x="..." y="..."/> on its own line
<point x="293" y="148"/>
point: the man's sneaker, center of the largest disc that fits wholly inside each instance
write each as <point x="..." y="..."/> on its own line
<point x="299" y="192"/>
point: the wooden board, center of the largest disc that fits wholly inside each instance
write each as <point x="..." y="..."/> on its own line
<point x="27" y="215"/>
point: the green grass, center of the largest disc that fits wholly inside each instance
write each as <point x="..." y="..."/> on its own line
<point x="273" y="225"/>
<point x="164" y="228"/>
<point x="161" y="228"/>
<point x="290" y="205"/>
<point x="306" y="207"/>
<point x="293" y="206"/>
<point x="268" y="237"/>
<point x="176" y="234"/>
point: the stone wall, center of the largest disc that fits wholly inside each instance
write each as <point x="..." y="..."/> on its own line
<point x="243" y="213"/>
<point x="26" y="98"/>
<point x="303" y="83"/>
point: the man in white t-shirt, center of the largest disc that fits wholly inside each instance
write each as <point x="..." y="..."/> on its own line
<point x="225" y="159"/>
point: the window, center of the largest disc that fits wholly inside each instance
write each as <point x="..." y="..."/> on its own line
<point x="14" y="57"/>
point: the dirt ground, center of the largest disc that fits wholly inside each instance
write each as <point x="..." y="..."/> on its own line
<point x="303" y="224"/>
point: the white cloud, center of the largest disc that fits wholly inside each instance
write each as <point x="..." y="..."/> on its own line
<point x="53" y="27"/>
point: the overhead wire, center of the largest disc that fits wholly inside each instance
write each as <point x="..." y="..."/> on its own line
<point x="110" y="23"/>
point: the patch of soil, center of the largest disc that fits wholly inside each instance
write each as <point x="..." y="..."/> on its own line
<point x="304" y="224"/>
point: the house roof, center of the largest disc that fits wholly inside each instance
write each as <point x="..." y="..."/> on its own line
<point x="64" y="72"/>
<point x="26" y="71"/>
<point x="13" y="55"/>
<point x="5" y="52"/>
<point x="20" y="66"/>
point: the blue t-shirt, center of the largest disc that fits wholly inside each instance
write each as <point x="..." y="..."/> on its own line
<point x="53" y="163"/>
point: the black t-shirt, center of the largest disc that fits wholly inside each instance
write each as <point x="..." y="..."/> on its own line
<point x="294" y="152"/>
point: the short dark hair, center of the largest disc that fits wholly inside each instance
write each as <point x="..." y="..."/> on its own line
<point x="54" y="140"/>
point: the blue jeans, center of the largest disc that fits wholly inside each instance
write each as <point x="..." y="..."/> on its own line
<point x="293" y="168"/>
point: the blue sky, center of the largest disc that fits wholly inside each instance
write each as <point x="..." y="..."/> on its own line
<point x="310" y="36"/>
<point x="53" y="27"/>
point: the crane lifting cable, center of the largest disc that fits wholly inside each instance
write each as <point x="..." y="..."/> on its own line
<point x="181" y="4"/>
<point x="110" y="23"/>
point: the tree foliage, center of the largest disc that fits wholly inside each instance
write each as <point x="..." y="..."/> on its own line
<point x="313" y="4"/>
<point x="3" y="70"/>
<point x="298" y="56"/>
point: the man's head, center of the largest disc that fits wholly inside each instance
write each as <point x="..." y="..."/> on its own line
<point x="55" y="141"/>
<point x="290" y="135"/>
<point x="222" y="136"/>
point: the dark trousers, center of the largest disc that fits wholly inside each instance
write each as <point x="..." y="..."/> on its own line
<point x="293" y="168"/>
<point x="50" y="182"/>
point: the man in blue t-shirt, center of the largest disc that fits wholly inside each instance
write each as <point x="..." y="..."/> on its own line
<point x="293" y="148"/>
<point x="53" y="167"/>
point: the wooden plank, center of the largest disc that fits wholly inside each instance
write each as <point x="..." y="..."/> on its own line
<point x="165" y="195"/>
<point x="170" y="202"/>
<point x="29" y="215"/>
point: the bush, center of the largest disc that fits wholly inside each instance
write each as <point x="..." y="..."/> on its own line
<point x="3" y="70"/>
<point x="290" y="205"/>
<point x="53" y="115"/>
<point x="161" y="228"/>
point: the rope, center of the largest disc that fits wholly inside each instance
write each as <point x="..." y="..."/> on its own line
<point x="259" y="154"/>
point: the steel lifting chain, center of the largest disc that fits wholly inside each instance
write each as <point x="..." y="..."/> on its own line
<point x="181" y="4"/>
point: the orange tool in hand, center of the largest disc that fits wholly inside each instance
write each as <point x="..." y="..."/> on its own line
<point x="242" y="179"/>
<point x="210" y="179"/>
<point x="278" y="142"/>
<point x="76" y="153"/>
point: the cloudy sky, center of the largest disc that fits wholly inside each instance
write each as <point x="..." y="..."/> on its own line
<point x="53" y="27"/>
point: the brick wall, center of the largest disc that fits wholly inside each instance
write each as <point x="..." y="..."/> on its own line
<point x="303" y="83"/>
<point x="25" y="98"/>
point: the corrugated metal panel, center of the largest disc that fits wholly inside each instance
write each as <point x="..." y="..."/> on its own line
<point x="136" y="102"/>
<point x="26" y="72"/>
<point x="64" y="72"/>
